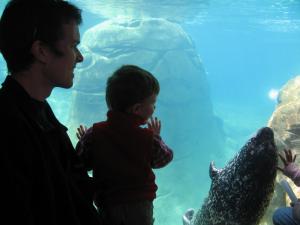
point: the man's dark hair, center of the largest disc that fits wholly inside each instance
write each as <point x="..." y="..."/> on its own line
<point x="25" y="21"/>
<point x="129" y="85"/>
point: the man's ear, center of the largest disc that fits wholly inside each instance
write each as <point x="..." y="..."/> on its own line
<point x="40" y="51"/>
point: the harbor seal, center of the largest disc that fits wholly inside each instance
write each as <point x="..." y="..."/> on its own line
<point x="240" y="193"/>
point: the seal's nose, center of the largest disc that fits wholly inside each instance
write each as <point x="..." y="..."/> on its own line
<point x="265" y="133"/>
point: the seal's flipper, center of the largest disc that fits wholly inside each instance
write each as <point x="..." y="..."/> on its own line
<point x="213" y="171"/>
<point x="188" y="216"/>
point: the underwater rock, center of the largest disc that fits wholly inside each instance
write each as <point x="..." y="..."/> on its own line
<point x="173" y="10"/>
<point x="164" y="49"/>
<point x="241" y="192"/>
<point x="285" y="122"/>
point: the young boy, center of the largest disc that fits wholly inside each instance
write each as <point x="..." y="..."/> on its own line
<point x="121" y="153"/>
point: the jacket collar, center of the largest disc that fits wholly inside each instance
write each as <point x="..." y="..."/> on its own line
<point x="121" y="119"/>
<point x="32" y="108"/>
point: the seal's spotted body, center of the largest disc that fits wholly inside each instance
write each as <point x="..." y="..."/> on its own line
<point x="240" y="192"/>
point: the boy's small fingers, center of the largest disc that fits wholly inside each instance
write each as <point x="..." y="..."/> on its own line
<point x="289" y="152"/>
<point x="285" y="152"/>
<point x="282" y="159"/>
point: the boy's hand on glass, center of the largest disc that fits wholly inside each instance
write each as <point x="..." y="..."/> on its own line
<point x="287" y="158"/>
<point x="154" y="125"/>
<point x="81" y="130"/>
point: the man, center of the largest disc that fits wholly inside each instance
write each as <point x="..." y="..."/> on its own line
<point x="42" y="182"/>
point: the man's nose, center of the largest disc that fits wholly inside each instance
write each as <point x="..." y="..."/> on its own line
<point x="79" y="56"/>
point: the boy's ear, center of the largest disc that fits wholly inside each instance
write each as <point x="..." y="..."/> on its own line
<point x="40" y="51"/>
<point x="135" y="109"/>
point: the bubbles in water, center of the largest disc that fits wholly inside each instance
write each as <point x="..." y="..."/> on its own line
<point x="273" y="93"/>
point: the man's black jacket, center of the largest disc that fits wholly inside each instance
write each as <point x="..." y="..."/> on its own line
<point x="41" y="179"/>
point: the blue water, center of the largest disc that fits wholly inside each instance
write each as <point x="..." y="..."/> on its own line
<point x="247" y="48"/>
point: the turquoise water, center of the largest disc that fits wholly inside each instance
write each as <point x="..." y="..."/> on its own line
<point x="246" y="48"/>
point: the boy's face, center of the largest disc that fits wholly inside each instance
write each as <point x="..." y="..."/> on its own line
<point x="59" y="70"/>
<point x="146" y="108"/>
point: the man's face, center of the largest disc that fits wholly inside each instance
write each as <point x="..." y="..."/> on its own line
<point x="59" y="70"/>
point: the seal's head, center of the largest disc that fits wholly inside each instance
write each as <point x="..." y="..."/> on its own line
<point x="258" y="157"/>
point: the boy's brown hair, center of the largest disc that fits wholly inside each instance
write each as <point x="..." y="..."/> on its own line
<point x="129" y="85"/>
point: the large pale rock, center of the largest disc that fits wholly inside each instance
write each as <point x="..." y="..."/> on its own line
<point x="189" y="126"/>
<point x="173" y="10"/>
<point x="285" y="122"/>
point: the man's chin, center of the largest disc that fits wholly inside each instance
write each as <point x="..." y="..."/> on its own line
<point x="66" y="85"/>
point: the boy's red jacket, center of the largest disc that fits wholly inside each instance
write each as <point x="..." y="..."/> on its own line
<point x="121" y="156"/>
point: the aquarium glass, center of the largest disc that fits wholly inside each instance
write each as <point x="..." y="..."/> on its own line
<point x="220" y="64"/>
